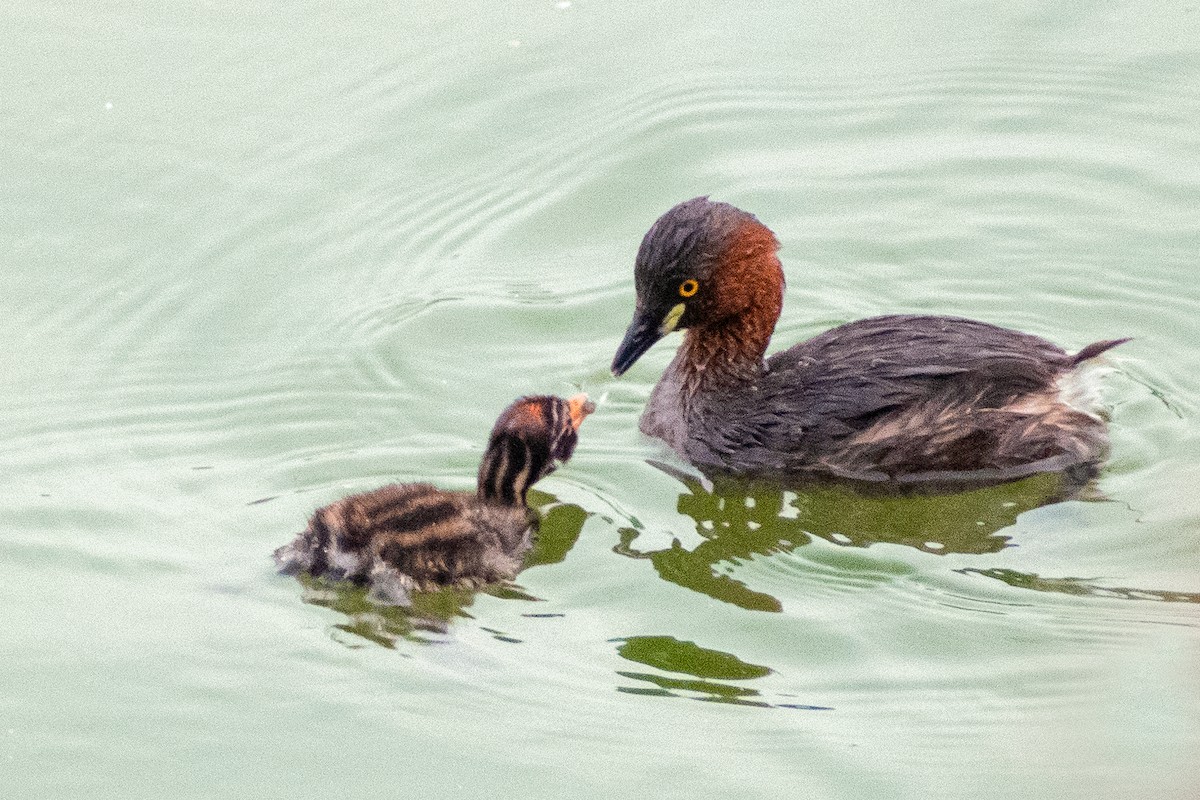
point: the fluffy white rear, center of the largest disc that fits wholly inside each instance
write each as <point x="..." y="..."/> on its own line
<point x="1081" y="388"/>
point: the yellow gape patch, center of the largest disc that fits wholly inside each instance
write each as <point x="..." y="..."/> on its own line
<point x="672" y="318"/>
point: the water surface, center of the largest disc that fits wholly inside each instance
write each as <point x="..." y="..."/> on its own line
<point x="256" y="256"/>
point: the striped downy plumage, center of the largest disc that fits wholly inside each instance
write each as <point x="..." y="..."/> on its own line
<point x="897" y="399"/>
<point x="414" y="536"/>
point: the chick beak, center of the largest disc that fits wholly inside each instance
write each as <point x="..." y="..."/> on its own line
<point x="580" y="407"/>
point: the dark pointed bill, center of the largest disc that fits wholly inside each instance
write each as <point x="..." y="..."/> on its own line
<point x="643" y="332"/>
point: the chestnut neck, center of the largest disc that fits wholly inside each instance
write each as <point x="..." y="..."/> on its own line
<point x="727" y="348"/>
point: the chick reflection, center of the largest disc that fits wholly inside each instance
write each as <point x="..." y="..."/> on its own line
<point x="431" y="614"/>
<point x="739" y="519"/>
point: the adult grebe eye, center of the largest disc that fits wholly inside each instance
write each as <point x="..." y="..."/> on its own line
<point x="688" y="288"/>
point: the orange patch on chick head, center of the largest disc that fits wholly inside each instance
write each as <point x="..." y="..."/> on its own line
<point x="524" y="417"/>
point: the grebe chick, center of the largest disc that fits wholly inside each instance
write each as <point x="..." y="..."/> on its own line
<point x="413" y="536"/>
<point x="901" y="398"/>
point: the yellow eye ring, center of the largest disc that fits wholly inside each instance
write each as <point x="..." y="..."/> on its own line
<point x="688" y="288"/>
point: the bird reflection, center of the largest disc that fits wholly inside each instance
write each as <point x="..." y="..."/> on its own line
<point x="739" y="519"/>
<point x="708" y="670"/>
<point x="1081" y="587"/>
<point x="431" y="614"/>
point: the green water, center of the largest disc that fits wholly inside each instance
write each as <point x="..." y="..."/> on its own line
<point x="254" y="256"/>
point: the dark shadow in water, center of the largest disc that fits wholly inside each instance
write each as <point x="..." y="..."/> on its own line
<point x="429" y="617"/>
<point x="740" y="519"/>
<point x="707" y="667"/>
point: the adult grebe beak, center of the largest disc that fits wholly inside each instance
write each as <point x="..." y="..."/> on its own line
<point x="643" y="332"/>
